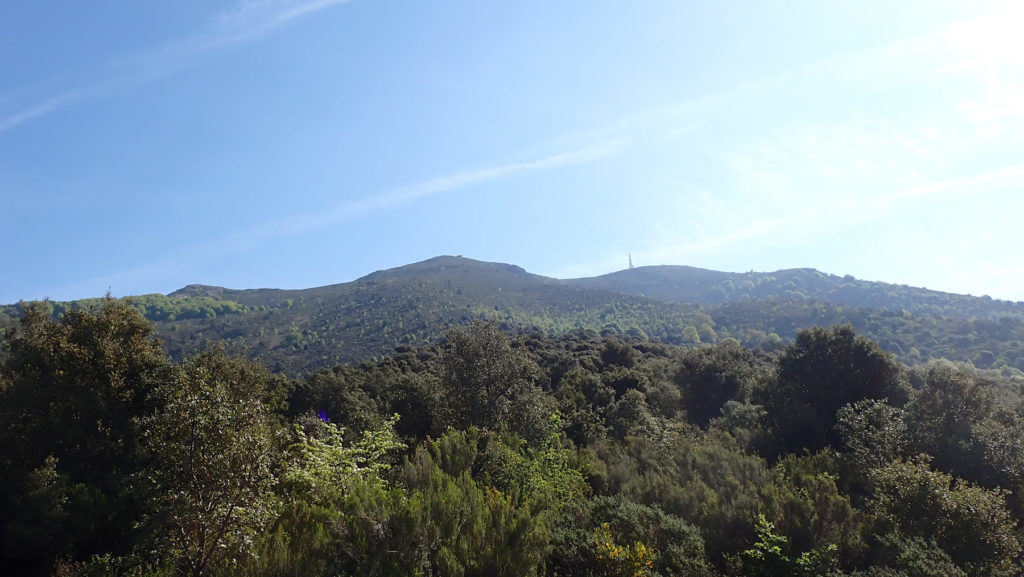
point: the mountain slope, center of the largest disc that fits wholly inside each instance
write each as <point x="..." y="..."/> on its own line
<point x="708" y="287"/>
<point x="298" y="330"/>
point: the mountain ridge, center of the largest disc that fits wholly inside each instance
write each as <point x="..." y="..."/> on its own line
<point x="674" y="283"/>
<point x="296" y="330"/>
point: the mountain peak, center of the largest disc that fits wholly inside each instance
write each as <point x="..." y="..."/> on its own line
<point x="199" y="290"/>
<point x="452" y="265"/>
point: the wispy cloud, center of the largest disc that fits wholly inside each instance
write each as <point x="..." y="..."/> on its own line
<point x="42" y="108"/>
<point x="735" y="228"/>
<point x="843" y="213"/>
<point x="257" y="16"/>
<point x="358" y="208"/>
<point x="188" y="258"/>
<point x="987" y="41"/>
<point x="246" y="22"/>
<point x="835" y="145"/>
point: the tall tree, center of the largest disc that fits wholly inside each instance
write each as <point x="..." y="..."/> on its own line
<point x="211" y="453"/>
<point x="711" y="376"/>
<point x="823" y="370"/>
<point x="73" y="392"/>
<point x="488" y="383"/>
<point x="956" y="417"/>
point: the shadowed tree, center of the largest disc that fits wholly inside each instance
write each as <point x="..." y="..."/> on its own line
<point x="821" y="372"/>
<point x="72" y="394"/>
<point x="711" y="376"/>
<point x="956" y="416"/>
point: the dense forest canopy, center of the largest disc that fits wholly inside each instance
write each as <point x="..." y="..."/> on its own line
<point x="498" y="453"/>
<point x="297" y="331"/>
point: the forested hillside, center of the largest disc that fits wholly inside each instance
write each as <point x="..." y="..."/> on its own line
<point x="294" y="331"/>
<point x="489" y="454"/>
<point x="709" y="287"/>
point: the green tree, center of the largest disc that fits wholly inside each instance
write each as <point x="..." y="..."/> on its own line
<point x="806" y="504"/>
<point x="969" y="523"/>
<point x="874" y="434"/>
<point x="617" y="353"/>
<point x="611" y="533"/>
<point x="335" y="503"/>
<point x="211" y="451"/>
<point x="339" y="393"/>
<point x="820" y="372"/>
<point x="469" y="508"/>
<point x="488" y="383"/>
<point x="320" y="463"/>
<point x="768" y="556"/>
<point x="73" y="392"/>
<point x="711" y="376"/>
<point x="690" y="335"/>
<point x="898" y="556"/>
<point x="957" y="418"/>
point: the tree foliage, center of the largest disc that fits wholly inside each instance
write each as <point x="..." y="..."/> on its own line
<point x="970" y="524"/>
<point x="211" y="451"/>
<point x="487" y="383"/>
<point x="821" y="372"/>
<point x="712" y="376"/>
<point x="492" y="454"/>
<point x="73" y="395"/>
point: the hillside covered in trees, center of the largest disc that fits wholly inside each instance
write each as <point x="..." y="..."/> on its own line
<point x="294" y="331"/>
<point x="498" y="453"/>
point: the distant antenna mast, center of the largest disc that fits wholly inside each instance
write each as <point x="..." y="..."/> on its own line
<point x="630" y="260"/>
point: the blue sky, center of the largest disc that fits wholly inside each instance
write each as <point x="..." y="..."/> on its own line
<point x="297" y="143"/>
